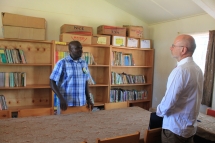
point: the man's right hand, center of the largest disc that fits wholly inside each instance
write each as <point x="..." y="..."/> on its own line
<point x="63" y="104"/>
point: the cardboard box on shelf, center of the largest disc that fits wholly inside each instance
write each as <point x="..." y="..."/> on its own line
<point x="111" y="30"/>
<point x="76" y="29"/>
<point x="145" y="43"/>
<point x="118" y="41"/>
<point x="65" y="37"/>
<point x="9" y="19"/>
<point x="134" y="31"/>
<point x="24" y="33"/>
<point x="101" y="40"/>
<point x="132" y="42"/>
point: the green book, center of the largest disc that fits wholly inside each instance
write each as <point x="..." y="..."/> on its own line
<point x="3" y="56"/>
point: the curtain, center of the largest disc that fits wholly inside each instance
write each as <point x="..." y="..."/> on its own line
<point x="209" y="71"/>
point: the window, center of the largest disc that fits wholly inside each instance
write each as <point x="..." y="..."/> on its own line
<point x="199" y="55"/>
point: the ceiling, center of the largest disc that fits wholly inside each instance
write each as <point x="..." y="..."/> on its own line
<point x="157" y="11"/>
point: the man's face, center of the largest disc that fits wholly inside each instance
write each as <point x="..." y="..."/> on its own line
<point x="176" y="49"/>
<point x="75" y="51"/>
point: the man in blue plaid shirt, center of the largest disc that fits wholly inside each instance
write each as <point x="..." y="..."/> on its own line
<point x="69" y="79"/>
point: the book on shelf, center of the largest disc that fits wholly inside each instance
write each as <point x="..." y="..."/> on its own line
<point x="12" y="79"/>
<point x="3" y="103"/>
<point x="121" y="95"/>
<point x="3" y="58"/>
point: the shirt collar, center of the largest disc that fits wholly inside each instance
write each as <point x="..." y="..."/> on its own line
<point x="183" y="61"/>
<point x="69" y="58"/>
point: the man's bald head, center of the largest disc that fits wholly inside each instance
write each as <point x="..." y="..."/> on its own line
<point x="187" y="41"/>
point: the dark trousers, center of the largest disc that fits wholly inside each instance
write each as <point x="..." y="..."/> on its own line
<point x="169" y="137"/>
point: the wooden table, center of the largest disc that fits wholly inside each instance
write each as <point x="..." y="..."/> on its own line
<point x="74" y="128"/>
<point x="206" y="128"/>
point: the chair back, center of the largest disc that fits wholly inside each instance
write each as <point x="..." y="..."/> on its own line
<point x="109" y="106"/>
<point x="76" y="109"/>
<point x="210" y="112"/>
<point x="131" y="138"/>
<point x="153" y="135"/>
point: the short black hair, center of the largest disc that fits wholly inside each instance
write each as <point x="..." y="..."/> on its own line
<point x="73" y="43"/>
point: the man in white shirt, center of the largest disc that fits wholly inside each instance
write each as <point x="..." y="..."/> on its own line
<point x="180" y="105"/>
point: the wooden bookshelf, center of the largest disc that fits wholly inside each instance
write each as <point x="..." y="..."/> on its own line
<point x="40" y="55"/>
<point x="37" y="94"/>
<point x="101" y="72"/>
<point x="143" y="65"/>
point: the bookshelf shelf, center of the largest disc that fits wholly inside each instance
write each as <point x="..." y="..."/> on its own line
<point x="137" y="101"/>
<point x="131" y="84"/>
<point x="26" y="87"/>
<point x="98" y="65"/>
<point x="25" y="64"/>
<point x="98" y="104"/>
<point x="16" y="109"/>
<point x="37" y="93"/>
<point x="131" y="66"/>
<point x="138" y="49"/>
<point x="98" y="85"/>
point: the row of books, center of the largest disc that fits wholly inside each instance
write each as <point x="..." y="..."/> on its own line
<point x="122" y="59"/>
<point x="123" y="78"/>
<point x="16" y="56"/>
<point x="3" y="103"/>
<point x="121" y="95"/>
<point x="60" y="55"/>
<point x="12" y="79"/>
<point x="87" y="56"/>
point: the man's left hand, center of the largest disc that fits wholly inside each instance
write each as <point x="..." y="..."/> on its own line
<point x="90" y="104"/>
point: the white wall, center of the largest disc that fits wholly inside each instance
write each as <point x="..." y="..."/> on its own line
<point x="163" y="36"/>
<point x="81" y="12"/>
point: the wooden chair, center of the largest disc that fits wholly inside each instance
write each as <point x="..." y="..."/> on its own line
<point x="35" y="112"/>
<point x="152" y="136"/>
<point x="210" y="112"/>
<point x="131" y="138"/>
<point x="71" y="110"/>
<point x="109" y="106"/>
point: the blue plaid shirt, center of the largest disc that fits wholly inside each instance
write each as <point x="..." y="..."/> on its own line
<point x="71" y="77"/>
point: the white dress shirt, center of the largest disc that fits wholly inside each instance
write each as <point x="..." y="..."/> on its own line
<point x="181" y="103"/>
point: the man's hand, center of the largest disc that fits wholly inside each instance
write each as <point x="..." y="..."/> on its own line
<point x="90" y="104"/>
<point x="63" y="104"/>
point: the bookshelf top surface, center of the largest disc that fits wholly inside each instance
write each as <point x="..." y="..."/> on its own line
<point x="25" y="40"/>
